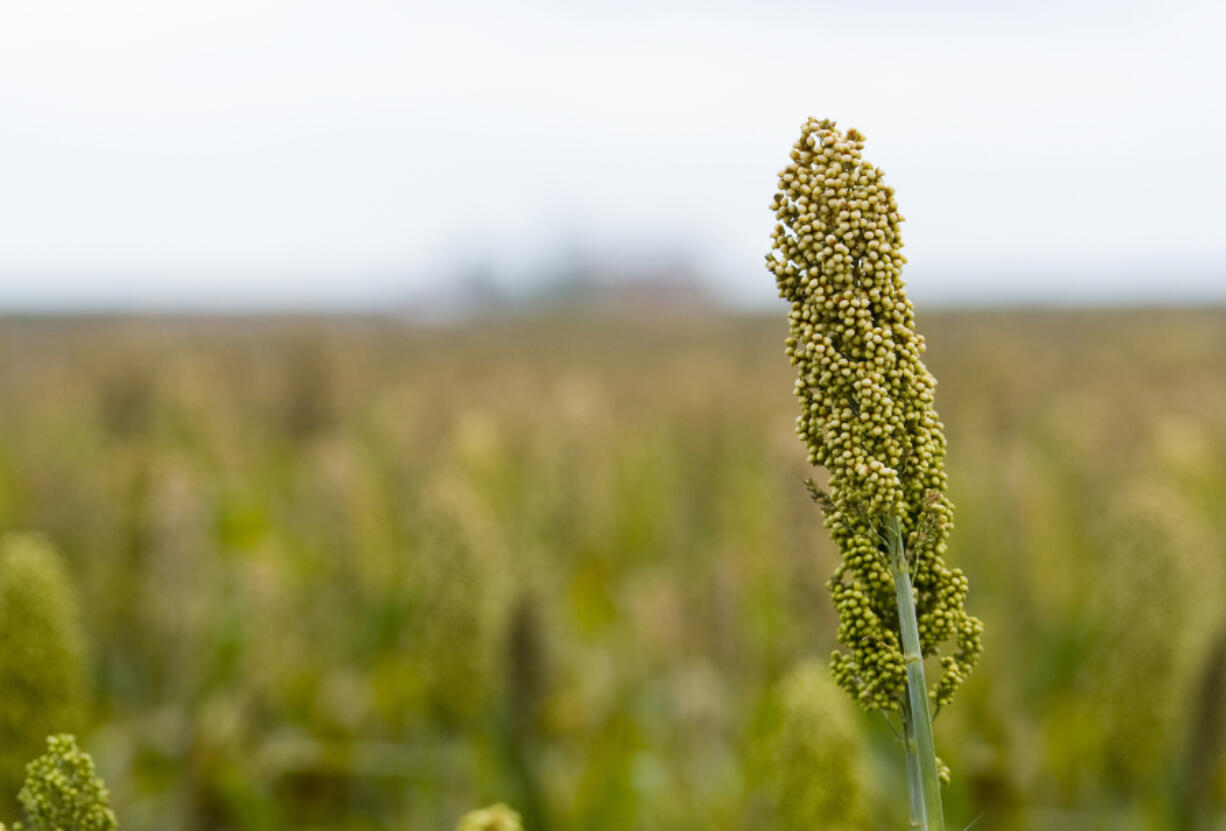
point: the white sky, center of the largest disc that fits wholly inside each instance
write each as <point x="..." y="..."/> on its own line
<point x="249" y="152"/>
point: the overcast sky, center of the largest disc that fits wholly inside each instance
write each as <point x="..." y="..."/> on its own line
<point x="248" y="152"/>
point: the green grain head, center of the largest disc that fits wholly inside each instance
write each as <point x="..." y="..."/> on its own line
<point x="64" y="793"/>
<point x="867" y="412"/>
<point x="494" y="818"/>
<point x="42" y="655"/>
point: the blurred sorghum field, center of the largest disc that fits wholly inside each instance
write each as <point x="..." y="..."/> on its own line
<point x="347" y="574"/>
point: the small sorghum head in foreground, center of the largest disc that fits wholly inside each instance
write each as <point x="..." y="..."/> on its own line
<point x="63" y="792"/>
<point x="494" y="818"/>
<point x="867" y="412"/>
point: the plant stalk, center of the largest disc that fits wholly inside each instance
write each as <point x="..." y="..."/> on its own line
<point x="924" y="786"/>
<point x="915" y="786"/>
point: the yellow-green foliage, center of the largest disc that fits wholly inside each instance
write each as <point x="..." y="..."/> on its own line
<point x="42" y="669"/>
<point x="811" y="756"/>
<point x="63" y="792"/>
<point x="494" y="818"/>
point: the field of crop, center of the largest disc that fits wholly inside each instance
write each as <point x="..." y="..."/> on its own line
<point x="348" y="574"/>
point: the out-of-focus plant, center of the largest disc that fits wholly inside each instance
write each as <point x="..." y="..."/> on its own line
<point x="1204" y="752"/>
<point x="63" y="792"/>
<point x="1135" y="731"/>
<point x="463" y="589"/>
<point x="811" y="756"/>
<point x="867" y="417"/>
<point x="1167" y="548"/>
<point x="42" y="654"/>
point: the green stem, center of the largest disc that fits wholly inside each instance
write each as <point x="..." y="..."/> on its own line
<point x="921" y="750"/>
<point x="915" y="782"/>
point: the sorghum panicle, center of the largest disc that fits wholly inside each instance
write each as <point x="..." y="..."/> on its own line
<point x="867" y="412"/>
<point x="63" y="792"/>
<point x="494" y="818"/>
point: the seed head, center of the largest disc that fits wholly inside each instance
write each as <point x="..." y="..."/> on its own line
<point x="63" y="792"/>
<point x="867" y="412"/>
<point x="495" y="818"/>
